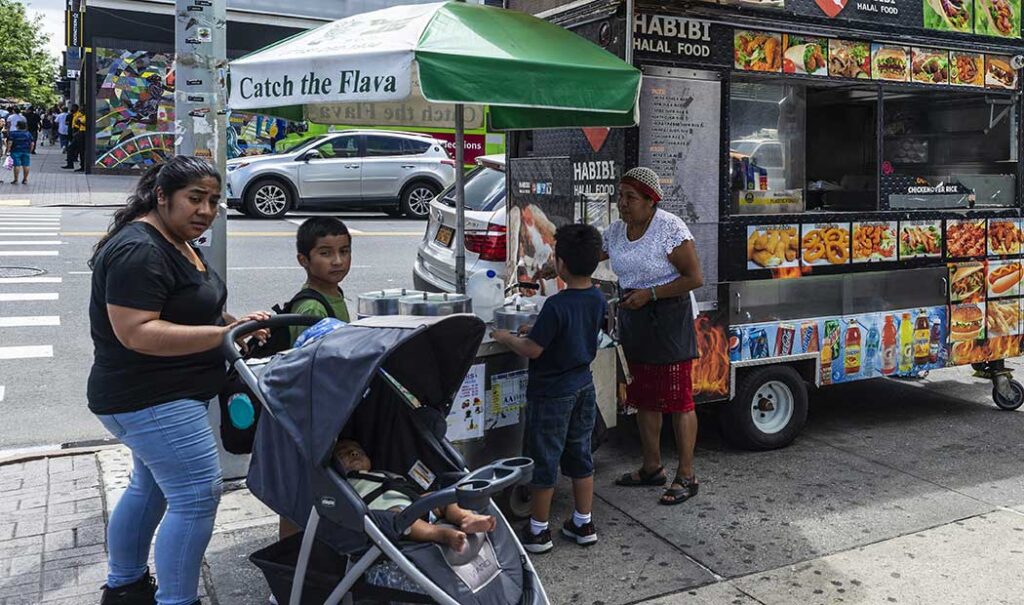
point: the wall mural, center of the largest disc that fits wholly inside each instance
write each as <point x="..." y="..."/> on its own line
<point x="134" y="123"/>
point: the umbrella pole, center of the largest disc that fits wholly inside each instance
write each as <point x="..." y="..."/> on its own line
<point x="460" y="202"/>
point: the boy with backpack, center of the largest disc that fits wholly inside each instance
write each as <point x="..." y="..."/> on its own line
<point x="562" y="403"/>
<point x="324" y="249"/>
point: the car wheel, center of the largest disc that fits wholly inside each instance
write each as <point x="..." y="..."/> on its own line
<point x="416" y="199"/>
<point x="269" y="198"/>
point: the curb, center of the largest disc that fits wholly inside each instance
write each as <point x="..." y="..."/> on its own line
<point x="56" y="453"/>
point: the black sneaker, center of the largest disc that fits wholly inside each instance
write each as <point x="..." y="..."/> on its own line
<point x="584" y="535"/>
<point x="537" y="543"/>
<point x="139" y="592"/>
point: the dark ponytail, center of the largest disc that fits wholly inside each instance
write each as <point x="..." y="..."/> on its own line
<point x="176" y="174"/>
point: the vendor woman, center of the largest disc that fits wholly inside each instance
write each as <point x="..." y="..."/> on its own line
<point x="653" y="254"/>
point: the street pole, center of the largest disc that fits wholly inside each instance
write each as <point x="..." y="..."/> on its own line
<point x="200" y="129"/>
<point x="460" y="201"/>
<point x="200" y="121"/>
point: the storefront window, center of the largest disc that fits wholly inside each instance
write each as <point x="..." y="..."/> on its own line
<point x="947" y="150"/>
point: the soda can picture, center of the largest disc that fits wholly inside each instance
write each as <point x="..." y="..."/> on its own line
<point x="784" y="336"/>
<point x="735" y="344"/>
<point x="809" y="337"/>
<point x="757" y="343"/>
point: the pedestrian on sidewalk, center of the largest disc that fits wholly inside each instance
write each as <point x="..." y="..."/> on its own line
<point x="46" y="128"/>
<point x="14" y="117"/>
<point x="653" y="254"/>
<point x="20" y="146"/>
<point x="76" y="150"/>
<point x="62" y="129"/>
<point x="33" y="119"/>
<point x="562" y="402"/>
<point x="157" y="319"/>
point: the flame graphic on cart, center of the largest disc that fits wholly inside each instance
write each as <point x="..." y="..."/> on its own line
<point x="711" y="371"/>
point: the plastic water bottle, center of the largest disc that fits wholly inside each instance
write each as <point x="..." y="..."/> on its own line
<point x="487" y="291"/>
<point x="241" y="411"/>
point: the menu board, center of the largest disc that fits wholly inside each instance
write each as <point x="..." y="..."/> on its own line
<point x="679" y="139"/>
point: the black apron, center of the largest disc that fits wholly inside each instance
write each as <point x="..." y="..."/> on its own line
<point x="661" y="332"/>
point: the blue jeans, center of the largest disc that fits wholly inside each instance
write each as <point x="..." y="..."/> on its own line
<point x="558" y="432"/>
<point x="177" y="471"/>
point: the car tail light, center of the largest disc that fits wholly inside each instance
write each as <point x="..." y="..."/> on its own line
<point x="489" y="244"/>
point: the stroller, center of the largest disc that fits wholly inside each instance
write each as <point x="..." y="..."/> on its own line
<point x="388" y="383"/>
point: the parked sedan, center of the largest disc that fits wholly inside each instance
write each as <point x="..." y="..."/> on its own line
<point x="486" y="232"/>
<point x="395" y="172"/>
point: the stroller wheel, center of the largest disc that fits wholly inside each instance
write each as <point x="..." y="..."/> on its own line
<point x="515" y="502"/>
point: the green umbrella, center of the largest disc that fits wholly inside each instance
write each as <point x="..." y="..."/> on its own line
<point x="532" y="74"/>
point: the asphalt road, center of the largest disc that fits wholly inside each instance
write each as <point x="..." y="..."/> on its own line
<point x="42" y="398"/>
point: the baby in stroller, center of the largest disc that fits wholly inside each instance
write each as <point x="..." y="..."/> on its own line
<point x="381" y="491"/>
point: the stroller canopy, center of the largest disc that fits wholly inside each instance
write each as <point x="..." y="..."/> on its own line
<point x="314" y="390"/>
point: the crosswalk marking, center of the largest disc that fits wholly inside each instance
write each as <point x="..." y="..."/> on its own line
<point x="27" y="296"/>
<point x="44" y="242"/>
<point x="1" y="393"/>
<point x="29" y="253"/>
<point x="29" y="321"/>
<point x="25" y="228"/>
<point x="30" y="280"/>
<point x="26" y="352"/>
<point x="29" y="233"/>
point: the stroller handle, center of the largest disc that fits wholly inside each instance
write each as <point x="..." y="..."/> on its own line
<point x="472" y="493"/>
<point x="231" y="352"/>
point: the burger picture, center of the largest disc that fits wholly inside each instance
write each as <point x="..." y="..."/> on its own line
<point x="967" y="282"/>
<point x="967" y="323"/>
<point x="890" y="63"/>
<point x="998" y="73"/>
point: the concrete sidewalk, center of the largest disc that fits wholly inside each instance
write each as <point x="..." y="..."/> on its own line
<point x="50" y="185"/>
<point x="52" y="514"/>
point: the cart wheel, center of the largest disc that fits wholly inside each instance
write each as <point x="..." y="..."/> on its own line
<point x="1015" y="400"/>
<point x="769" y="410"/>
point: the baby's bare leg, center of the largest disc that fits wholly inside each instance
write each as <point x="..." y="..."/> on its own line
<point x="468" y="521"/>
<point x="421" y="531"/>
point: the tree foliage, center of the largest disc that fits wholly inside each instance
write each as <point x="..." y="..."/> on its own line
<point x="27" y="71"/>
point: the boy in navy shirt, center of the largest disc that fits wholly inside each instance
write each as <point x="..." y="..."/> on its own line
<point x="562" y="403"/>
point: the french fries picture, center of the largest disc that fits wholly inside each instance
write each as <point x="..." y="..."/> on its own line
<point x="771" y="246"/>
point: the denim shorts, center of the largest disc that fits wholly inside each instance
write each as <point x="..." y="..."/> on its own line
<point x="21" y="158"/>
<point x="558" y="431"/>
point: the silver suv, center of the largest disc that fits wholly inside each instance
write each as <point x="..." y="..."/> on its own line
<point x="395" y="172"/>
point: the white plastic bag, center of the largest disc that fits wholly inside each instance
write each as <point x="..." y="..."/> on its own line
<point x="9" y="163"/>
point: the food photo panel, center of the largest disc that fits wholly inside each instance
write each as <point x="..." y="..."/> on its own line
<point x="998" y="73"/>
<point x="757" y="51"/>
<point x="849" y="59"/>
<point x="773" y="246"/>
<point x="930" y="66"/>
<point x="874" y="241"/>
<point x="967" y="282"/>
<point x="920" y="239"/>
<point x="1004" y="278"/>
<point x="999" y="18"/>
<point x="825" y="244"/>
<point x="803" y="55"/>
<point x="890" y="62"/>
<point x="966" y="69"/>
<point x="1004" y="237"/>
<point x="967" y="322"/>
<point x="1002" y="317"/>
<point x="965" y="238"/>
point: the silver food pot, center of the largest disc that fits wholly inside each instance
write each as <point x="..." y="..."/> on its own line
<point x="513" y="317"/>
<point x="382" y="302"/>
<point x="435" y="304"/>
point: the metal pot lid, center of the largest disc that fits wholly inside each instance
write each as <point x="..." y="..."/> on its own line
<point x="389" y="294"/>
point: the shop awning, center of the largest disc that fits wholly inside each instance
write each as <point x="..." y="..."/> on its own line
<point x="532" y="74"/>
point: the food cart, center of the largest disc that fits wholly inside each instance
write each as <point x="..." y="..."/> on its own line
<point x="851" y="174"/>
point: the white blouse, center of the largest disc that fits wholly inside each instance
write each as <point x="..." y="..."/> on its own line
<point x="644" y="263"/>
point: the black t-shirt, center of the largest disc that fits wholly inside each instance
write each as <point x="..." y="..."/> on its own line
<point x="567" y="328"/>
<point x="140" y="269"/>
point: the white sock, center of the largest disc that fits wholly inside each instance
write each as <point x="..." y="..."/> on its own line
<point x="536" y="527"/>
<point x="579" y="519"/>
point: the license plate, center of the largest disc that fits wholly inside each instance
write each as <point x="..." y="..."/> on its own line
<point x="444" y="236"/>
